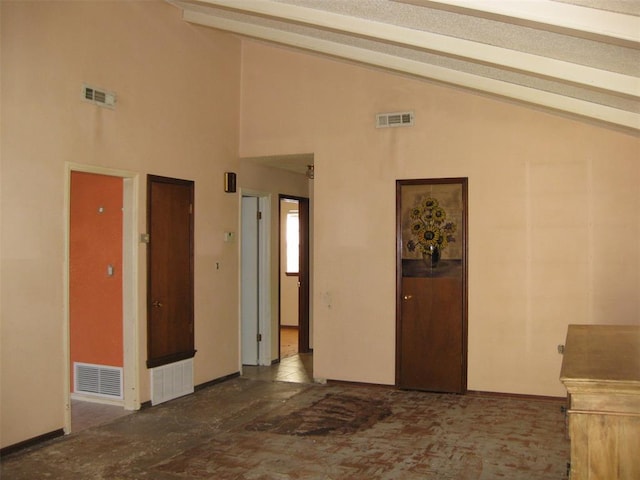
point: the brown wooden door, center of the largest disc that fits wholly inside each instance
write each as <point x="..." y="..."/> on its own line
<point x="170" y="270"/>
<point x="431" y="306"/>
<point x="431" y="334"/>
<point x="303" y="277"/>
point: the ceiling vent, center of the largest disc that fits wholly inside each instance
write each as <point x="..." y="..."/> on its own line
<point x="98" y="96"/>
<point x="395" y="119"/>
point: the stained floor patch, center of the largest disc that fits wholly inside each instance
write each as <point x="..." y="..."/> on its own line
<point x="332" y="414"/>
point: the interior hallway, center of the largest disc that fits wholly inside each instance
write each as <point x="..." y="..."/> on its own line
<point x="292" y="368"/>
<point x="296" y="368"/>
<point x="252" y="427"/>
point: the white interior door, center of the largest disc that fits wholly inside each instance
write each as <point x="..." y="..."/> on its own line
<point x="250" y="317"/>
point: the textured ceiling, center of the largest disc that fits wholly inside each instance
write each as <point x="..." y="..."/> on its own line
<point x="578" y="57"/>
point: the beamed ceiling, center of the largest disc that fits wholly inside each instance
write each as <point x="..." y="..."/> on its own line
<point x="579" y="57"/>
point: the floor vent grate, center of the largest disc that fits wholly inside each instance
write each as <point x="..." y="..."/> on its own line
<point x="98" y="380"/>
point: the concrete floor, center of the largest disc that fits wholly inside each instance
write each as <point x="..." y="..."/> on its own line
<point x="293" y="368"/>
<point x="256" y="428"/>
<point x="88" y="414"/>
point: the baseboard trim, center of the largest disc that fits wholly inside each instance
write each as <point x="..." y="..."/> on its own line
<point x="476" y="393"/>
<point x="16" y="447"/>
<point x="349" y="383"/>
<point x="196" y="388"/>
<point x="216" y="381"/>
<point x="521" y="396"/>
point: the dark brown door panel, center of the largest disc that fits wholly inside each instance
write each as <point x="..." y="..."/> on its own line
<point x="431" y="316"/>
<point x="170" y="335"/>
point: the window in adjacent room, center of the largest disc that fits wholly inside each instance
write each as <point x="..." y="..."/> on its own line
<point x="292" y="242"/>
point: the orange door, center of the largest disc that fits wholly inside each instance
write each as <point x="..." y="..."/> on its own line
<point x="95" y="270"/>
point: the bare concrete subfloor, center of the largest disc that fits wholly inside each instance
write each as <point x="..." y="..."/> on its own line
<point x="252" y="428"/>
<point x="87" y="414"/>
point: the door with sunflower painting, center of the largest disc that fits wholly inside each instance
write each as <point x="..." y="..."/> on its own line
<point x="431" y="307"/>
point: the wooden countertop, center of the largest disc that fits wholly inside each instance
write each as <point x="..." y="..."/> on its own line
<point x="602" y="354"/>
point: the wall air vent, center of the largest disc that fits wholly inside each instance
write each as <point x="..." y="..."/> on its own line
<point x="98" y="380"/>
<point x="395" y="119"/>
<point x="171" y="381"/>
<point x="98" y="96"/>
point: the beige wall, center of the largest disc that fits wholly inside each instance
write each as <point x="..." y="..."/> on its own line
<point x="554" y="226"/>
<point x="177" y="115"/>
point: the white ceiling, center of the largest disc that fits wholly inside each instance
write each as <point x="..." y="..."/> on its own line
<point x="579" y="57"/>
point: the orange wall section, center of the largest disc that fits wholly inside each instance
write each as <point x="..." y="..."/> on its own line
<point x="95" y="313"/>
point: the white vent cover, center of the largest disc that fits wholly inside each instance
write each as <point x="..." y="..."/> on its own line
<point x="171" y="381"/>
<point x="98" y="96"/>
<point x="395" y="119"/>
<point x="98" y="380"/>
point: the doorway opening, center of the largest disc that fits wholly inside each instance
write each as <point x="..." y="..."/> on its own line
<point x="296" y="367"/>
<point x="431" y="284"/>
<point x="294" y="277"/>
<point x="289" y="330"/>
<point x="100" y="348"/>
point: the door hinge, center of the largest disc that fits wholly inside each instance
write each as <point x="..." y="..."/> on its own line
<point x="259" y="337"/>
<point x="191" y="209"/>
<point x="259" y="215"/>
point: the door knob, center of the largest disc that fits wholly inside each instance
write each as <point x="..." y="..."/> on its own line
<point x="408" y="297"/>
<point x="156" y="304"/>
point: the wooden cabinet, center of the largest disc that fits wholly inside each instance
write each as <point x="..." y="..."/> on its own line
<point x="601" y="372"/>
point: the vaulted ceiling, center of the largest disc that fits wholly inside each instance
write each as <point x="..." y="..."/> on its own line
<point x="579" y="57"/>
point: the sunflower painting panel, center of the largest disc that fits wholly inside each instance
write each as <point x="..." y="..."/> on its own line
<point x="432" y="228"/>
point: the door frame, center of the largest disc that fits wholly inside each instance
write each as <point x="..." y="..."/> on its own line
<point x="304" y="278"/>
<point x="130" y="285"/>
<point x="264" y="276"/>
<point x="464" y="182"/>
